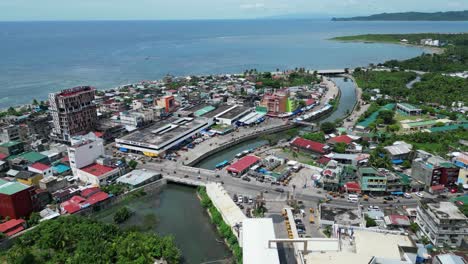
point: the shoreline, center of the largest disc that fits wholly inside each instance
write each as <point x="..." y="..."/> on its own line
<point x="434" y="50"/>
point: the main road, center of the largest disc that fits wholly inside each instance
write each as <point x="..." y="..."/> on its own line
<point x="253" y="187"/>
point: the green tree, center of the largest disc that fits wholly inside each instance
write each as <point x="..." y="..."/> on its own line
<point x="122" y="215"/>
<point x="133" y="164"/>
<point x="370" y="222"/>
<point x="34" y="219"/>
<point x="328" y="127"/>
<point x="340" y="147"/>
<point x="319" y="136"/>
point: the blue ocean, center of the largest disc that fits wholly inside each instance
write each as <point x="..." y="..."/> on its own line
<point x="37" y="58"/>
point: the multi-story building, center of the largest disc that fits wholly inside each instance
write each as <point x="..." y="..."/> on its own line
<point x="73" y="112"/>
<point x="275" y="103"/>
<point x="442" y="223"/>
<point x="9" y="133"/>
<point x="371" y="180"/>
<point x="168" y="102"/>
<point x="15" y="199"/>
<point x="434" y="171"/>
<point x="39" y="126"/>
<point x="137" y="118"/>
<point x="11" y="148"/>
<point x="84" y="150"/>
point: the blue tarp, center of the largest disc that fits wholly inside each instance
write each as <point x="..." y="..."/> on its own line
<point x="397" y="193"/>
<point x="397" y="161"/>
<point x="123" y="149"/>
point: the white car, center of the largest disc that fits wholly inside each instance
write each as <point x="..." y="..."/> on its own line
<point x="240" y="199"/>
<point x="407" y="195"/>
<point x="373" y="207"/>
<point x="419" y="194"/>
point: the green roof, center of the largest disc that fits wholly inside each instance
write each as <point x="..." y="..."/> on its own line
<point x="204" y="110"/>
<point x="10" y="144"/>
<point x="369" y="120"/>
<point x="448" y="128"/>
<point x="422" y="123"/>
<point x="31" y="156"/>
<point x="463" y="199"/>
<point x="10" y="188"/>
<point x="405" y="179"/>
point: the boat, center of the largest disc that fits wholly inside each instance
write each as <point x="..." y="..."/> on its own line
<point x="222" y="164"/>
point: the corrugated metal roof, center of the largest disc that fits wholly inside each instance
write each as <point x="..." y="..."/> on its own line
<point x="10" y="188"/>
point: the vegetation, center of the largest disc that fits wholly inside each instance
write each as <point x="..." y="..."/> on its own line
<point x="411" y="16"/>
<point x="133" y="164"/>
<point x="296" y="78"/>
<point x="389" y="83"/>
<point x="34" y="219"/>
<point x="224" y="229"/>
<point x="75" y="239"/>
<point x="319" y="137"/>
<point x="122" y="215"/>
<point x="328" y="127"/>
<point x="370" y="222"/>
<point x="414" y="227"/>
<point x="340" y="147"/>
<point x="115" y="189"/>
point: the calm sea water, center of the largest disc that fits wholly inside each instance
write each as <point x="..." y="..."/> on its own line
<point x="41" y="57"/>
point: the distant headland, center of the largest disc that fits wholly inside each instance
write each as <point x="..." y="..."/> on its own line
<point x="411" y="16"/>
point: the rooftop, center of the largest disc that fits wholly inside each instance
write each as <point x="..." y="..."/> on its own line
<point x="40" y="166"/>
<point x="10" y="144"/>
<point x="97" y="169"/>
<point x="234" y="112"/>
<point x="255" y="235"/>
<point x="217" y="111"/>
<point x="10" y="188"/>
<point x="163" y="133"/>
<point x="446" y="210"/>
<point x="136" y="177"/>
<point x="409" y="106"/>
<point x="340" y="215"/>
<point x="309" y="145"/>
<point x="243" y="163"/>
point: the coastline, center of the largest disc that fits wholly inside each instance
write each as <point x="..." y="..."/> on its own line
<point x="434" y="50"/>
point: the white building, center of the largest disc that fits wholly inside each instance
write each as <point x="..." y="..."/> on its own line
<point x="84" y="150"/>
<point x="442" y="223"/>
<point x="256" y="232"/>
<point x="98" y="174"/>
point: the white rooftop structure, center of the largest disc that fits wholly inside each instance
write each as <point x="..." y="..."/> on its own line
<point x="362" y="248"/>
<point x="255" y="235"/>
<point x="138" y="177"/>
<point x="399" y="148"/>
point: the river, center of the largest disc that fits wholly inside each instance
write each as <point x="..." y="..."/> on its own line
<point x="345" y="106"/>
<point x="175" y="211"/>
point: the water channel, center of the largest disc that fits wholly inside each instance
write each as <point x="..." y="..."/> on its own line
<point x="175" y="211"/>
<point x="346" y="104"/>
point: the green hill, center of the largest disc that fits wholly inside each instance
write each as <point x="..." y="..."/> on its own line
<point x="411" y="16"/>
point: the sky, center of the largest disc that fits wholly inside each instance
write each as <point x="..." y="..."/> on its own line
<point x="14" y="10"/>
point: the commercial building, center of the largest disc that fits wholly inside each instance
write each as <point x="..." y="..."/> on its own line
<point x="168" y="102"/>
<point x="73" y="112"/>
<point x="52" y="183"/>
<point x="98" y="174"/>
<point x="276" y="103"/>
<point x="408" y="109"/>
<point x="434" y="171"/>
<point x="233" y="114"/>
<point x="162" y="136"/>
<point x="415" y="126"/>
<point x="9" y="133"/>
<point x="256" y="232"/>
<point x="371" y="180"/>
<point x="84" y="150"/>
<point x="15" y="199"/>
<point x="442" y="223"/>
<point x="243" y="165"/>
<point x="137" y="118"/>
<point x="309" y="145"/>
<point x="137" y="178"/>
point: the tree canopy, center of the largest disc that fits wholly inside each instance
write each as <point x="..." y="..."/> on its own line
<point x="74" y="239"/>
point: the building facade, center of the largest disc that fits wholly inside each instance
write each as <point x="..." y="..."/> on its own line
<point x="73" y="112"/>
<point x="15" y="199"/>
<point x="84" y="151"/>
<point x="372" y="180"/>
<point x="434" y="171"/>
<point x="442" y="223"/>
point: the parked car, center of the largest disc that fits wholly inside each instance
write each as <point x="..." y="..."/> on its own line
<point x="407" y="195"/>
<point x="281" y="190"/>
<point x="246" y="178"/>
<point x="240" y="198"/>
<point x="419" y="194"/>
<point x="217" y="176"/>
<point x="250" y="201"/>
<point x="186" y="176"/>
<point x="388" y="198"/>
<point x="373" y="207"/>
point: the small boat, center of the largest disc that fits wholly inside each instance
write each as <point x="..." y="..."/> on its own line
<point x="222" y="164"/>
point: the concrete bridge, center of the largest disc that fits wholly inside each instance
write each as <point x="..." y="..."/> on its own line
<point x="184" y="181"/>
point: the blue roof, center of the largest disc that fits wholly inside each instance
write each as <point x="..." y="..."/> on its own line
<point x="60" y="168"/>
<point x="397" y="161"/>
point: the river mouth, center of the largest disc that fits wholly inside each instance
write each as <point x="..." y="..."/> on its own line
<point x="174" y="211"/>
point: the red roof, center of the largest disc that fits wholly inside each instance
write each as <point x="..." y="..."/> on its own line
<point x="243" y="164"/>
<point x="343" y="139"/>
<point x="323" y="160"/>
<point x="97" y="197"/>
<point x="97" y="169"/>
<point x="98" y="134"/>
<point x="353" y="186"/>
<point x="65" y="159"/>
<point x="309" y="145"/>
<point x="89" y="191"/>
<point x="438" y="187"/>
<point x="12" y="226"/>
<point x="3" y="156"/>
<point x="40" y="166"/>
<point x="310" y="101"/>
<point x="401" y="220"/>
<point x="73" y="205"/>
<point x="328" y="172"/>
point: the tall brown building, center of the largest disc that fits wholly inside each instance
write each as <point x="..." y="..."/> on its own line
<point x="73" y="112"/>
